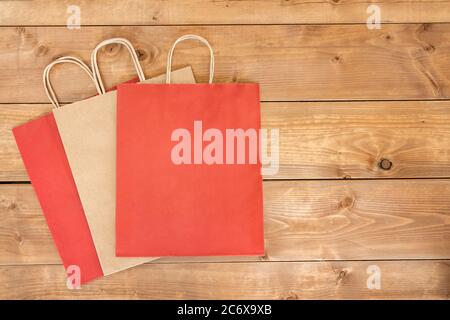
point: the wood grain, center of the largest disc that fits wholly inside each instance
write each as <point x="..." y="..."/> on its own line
<point x="310" y="57"/>
<point x="269" y="280"/>
<point x="304" y="220"/>
<point x="346" y="140"/>
<point x="332" y="140"/>
<point x="160" y="12"/>
<point x="291" y="62"/>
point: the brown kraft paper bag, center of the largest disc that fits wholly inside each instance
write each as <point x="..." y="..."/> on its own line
<point x="88" y="133"/>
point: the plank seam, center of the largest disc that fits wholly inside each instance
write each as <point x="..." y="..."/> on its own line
<point x="299" y="179"/>
<point x="282" y="101"/>
<point x="222" y="24"/>
<point x="254" y="262"/>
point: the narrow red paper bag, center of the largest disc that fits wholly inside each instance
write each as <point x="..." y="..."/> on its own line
<point x="43" y="154"/>
<point x="165" y="208"/>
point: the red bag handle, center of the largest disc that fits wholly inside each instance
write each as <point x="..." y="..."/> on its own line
<point x="190" y="37"/>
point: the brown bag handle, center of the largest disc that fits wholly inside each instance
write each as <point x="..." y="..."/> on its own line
<point x="46" y="76"/>
<point x="190" y="37"/>
<point x="134" y="58"/>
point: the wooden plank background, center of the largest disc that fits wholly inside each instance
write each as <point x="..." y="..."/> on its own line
<point x="182" y="12"/>
<point x="345" y="98"/>
<point x="286" y="280"/>
<point x="291" y="62"/>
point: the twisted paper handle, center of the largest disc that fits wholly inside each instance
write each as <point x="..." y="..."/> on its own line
<point x="46" y="76"/>
<point x="190" y="37"/>
<point x="134" y="58"/>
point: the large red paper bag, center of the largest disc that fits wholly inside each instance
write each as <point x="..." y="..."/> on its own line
<point x="48" y="169"/>
<point x="181" y="189"/>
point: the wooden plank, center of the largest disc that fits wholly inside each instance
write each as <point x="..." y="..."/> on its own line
<point x="351" y="140"/>
<point x="258" y="280"/>
<point x="160" y="12"/>
<point x="291" y="62"/>
<point x="332" y="140"/>
<point x="304" y="220"/>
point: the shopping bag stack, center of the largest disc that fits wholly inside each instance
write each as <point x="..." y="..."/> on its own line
<point x="148" y="170"/>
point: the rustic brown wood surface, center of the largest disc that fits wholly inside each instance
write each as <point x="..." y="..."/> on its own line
<point x="291" y="62"/>
<point x="364" y="120"/>
<point x="258" y="280"/>
<point x="176" y="12"/>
